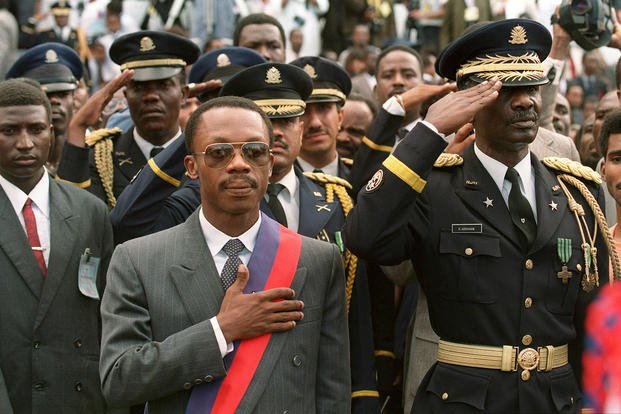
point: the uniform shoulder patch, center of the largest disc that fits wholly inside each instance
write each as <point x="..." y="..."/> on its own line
<point x="325" y="179"/>
<point x="99" y="134"/>
<point x="347" y="161"/>
<point x="446" y="160"/>
<point x="574" y="168"/>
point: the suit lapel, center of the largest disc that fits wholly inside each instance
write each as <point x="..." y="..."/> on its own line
<point x="551" y="204"/>
<point x="197" y="280"/>
<point x="127" y="155"/>
<point x="479" y="187"/>
<point x="15" y="245"/>
<point x="315" y="211"/>
<point x="63" y="235"/>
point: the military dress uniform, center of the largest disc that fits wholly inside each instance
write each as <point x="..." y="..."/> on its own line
<point x="505" y="313"/>
<point x="110" y="159"/>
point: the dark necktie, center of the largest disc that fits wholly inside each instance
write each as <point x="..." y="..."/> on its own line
<point x="155" y="151"/>
<point x="521" y="211"/>
<point x="273" y="189"/>
<point x="318" y="170"/>
<point x="402" y="133"/>
<point x="232" y="248"/>
<point x="33" y="235"/>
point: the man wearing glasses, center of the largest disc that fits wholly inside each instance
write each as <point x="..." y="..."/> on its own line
<point x="237" y="329"/>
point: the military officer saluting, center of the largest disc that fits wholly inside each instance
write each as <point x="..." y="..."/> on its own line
<point x="153" y="66"/>
<point x="508" y="248"/>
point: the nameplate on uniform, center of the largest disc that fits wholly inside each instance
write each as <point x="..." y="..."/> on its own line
<point x="467" y="228"/>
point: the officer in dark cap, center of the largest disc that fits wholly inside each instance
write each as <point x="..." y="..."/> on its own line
<point x="60" y="32"/>
<point x="508" y="249"/>
<point x="222" y="64"/>
<point x="58" y="69"/>
<point x="153" y="65"/>
<point x="323" y="116"/>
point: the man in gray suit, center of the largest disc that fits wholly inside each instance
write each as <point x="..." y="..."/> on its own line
<point x="192" y="325"/>
<point x="55" y="245"/>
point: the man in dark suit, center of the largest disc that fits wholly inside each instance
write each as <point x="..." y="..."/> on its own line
<point x="507" y="272"/>
<point x="55" y="245"/>
<point x="153" y="65"/>
<point x="185" y="327"/>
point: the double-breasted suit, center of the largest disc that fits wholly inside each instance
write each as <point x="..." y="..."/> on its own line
<point x="482" y="288"/>
<point x="49" y="330"/>
<point x="158" y="341"/>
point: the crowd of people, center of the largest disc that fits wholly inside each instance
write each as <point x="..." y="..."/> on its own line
<point x="307" y="206"/>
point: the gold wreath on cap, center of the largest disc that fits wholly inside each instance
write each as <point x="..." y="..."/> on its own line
<point x="51" y="56"/>
<point x="273" y="76"/>
<point x="310" y="71"/>
<point x="146" y="44"/>
<point x="518" y="36"/>
<point x="222" y="60"/>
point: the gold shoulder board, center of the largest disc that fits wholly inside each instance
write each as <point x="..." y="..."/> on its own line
<point x="99" y="134"/>
<point x="347" y="161"/>
<point x="574" y="168"/>
<point x="328" y="179"/>
<point x="448" y="160"/>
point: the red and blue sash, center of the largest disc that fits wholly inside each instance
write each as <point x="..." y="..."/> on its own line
<point x="273" y="264"/>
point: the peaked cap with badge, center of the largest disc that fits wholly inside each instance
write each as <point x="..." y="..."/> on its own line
<point x="330" y="82"/>
<point x="61" y="8"/>
<point x="153" y="55"/>
<point x="512" y="50"/>
<point x="55" y="66"/>
<point x="280" y="89"/>
<point x="223" y="63"/>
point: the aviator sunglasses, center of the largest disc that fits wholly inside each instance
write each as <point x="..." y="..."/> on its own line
<point x="220" y="154"/>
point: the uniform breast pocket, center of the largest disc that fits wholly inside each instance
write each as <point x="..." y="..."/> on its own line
<point x="467" y="266"/>
<point x="564" y="283"/>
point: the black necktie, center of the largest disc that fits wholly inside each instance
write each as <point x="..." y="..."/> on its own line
<point x="521" y="211"/>
<point x="279" y="213"/>
<point x="401" y="133"/>
<point x="232" y="248"/>
<point x="155" y="151"/>
<point x="318" y="170"/>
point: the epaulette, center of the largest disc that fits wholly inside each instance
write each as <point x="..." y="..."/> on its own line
<point x="347" y="161"/>
<point x="448" y="160"/>
<point x="325" y="178"/>
<point x="99" y="134"/>
<point x="572" y="167"/>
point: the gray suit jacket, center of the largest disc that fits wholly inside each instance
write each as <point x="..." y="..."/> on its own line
<point x="157" y="340"/>
<point x="548" y="143"/>
<point x="49" y="331"/>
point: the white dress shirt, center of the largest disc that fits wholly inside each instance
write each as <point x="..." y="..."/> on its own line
<point x="498" y="170"/>
<point x="40" y="196"/>
<point x="216" y="240"/>
<point x="146" y="147"/>
<point x="289" y="197"/>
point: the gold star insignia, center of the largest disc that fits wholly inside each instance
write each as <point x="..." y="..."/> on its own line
<point x="488" y="202"/>
<point x="553" y="206"/>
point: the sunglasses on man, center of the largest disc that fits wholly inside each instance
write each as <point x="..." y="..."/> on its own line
<point x="219" y="155"/>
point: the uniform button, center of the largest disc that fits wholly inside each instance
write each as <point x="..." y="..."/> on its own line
<point x="528" y="302"/>
<point x="209" y="378"/>
<point x="187" y="385"/>
<point x="297" y="360"/>
<point x="579" y="267"/>
<point x="39" y="386"/>
<point x="529" y="264"/>
<point x="36" y="344"/>
<point x="468" y="251"/>
<point x="78" y="386"/>
<point x="445" y="396"/>
<point x="525" y="375"/>
<point x="77" y="343"/>
<point x="527" y="340"/>
<point x="198" y="381"/>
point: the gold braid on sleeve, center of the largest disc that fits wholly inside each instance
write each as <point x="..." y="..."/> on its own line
<point x="600" y="222"/>
<point x="105" y="168"/>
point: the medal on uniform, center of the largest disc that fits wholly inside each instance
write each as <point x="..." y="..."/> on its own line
<point x="588" y="279"/>
<point x="563" y="249"/>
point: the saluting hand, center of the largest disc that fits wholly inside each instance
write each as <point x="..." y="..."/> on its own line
<point x="456" y="109"/>
<point x="245" y="316"/>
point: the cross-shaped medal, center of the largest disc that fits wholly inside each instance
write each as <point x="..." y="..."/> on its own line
<point x="564" y="274"/>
